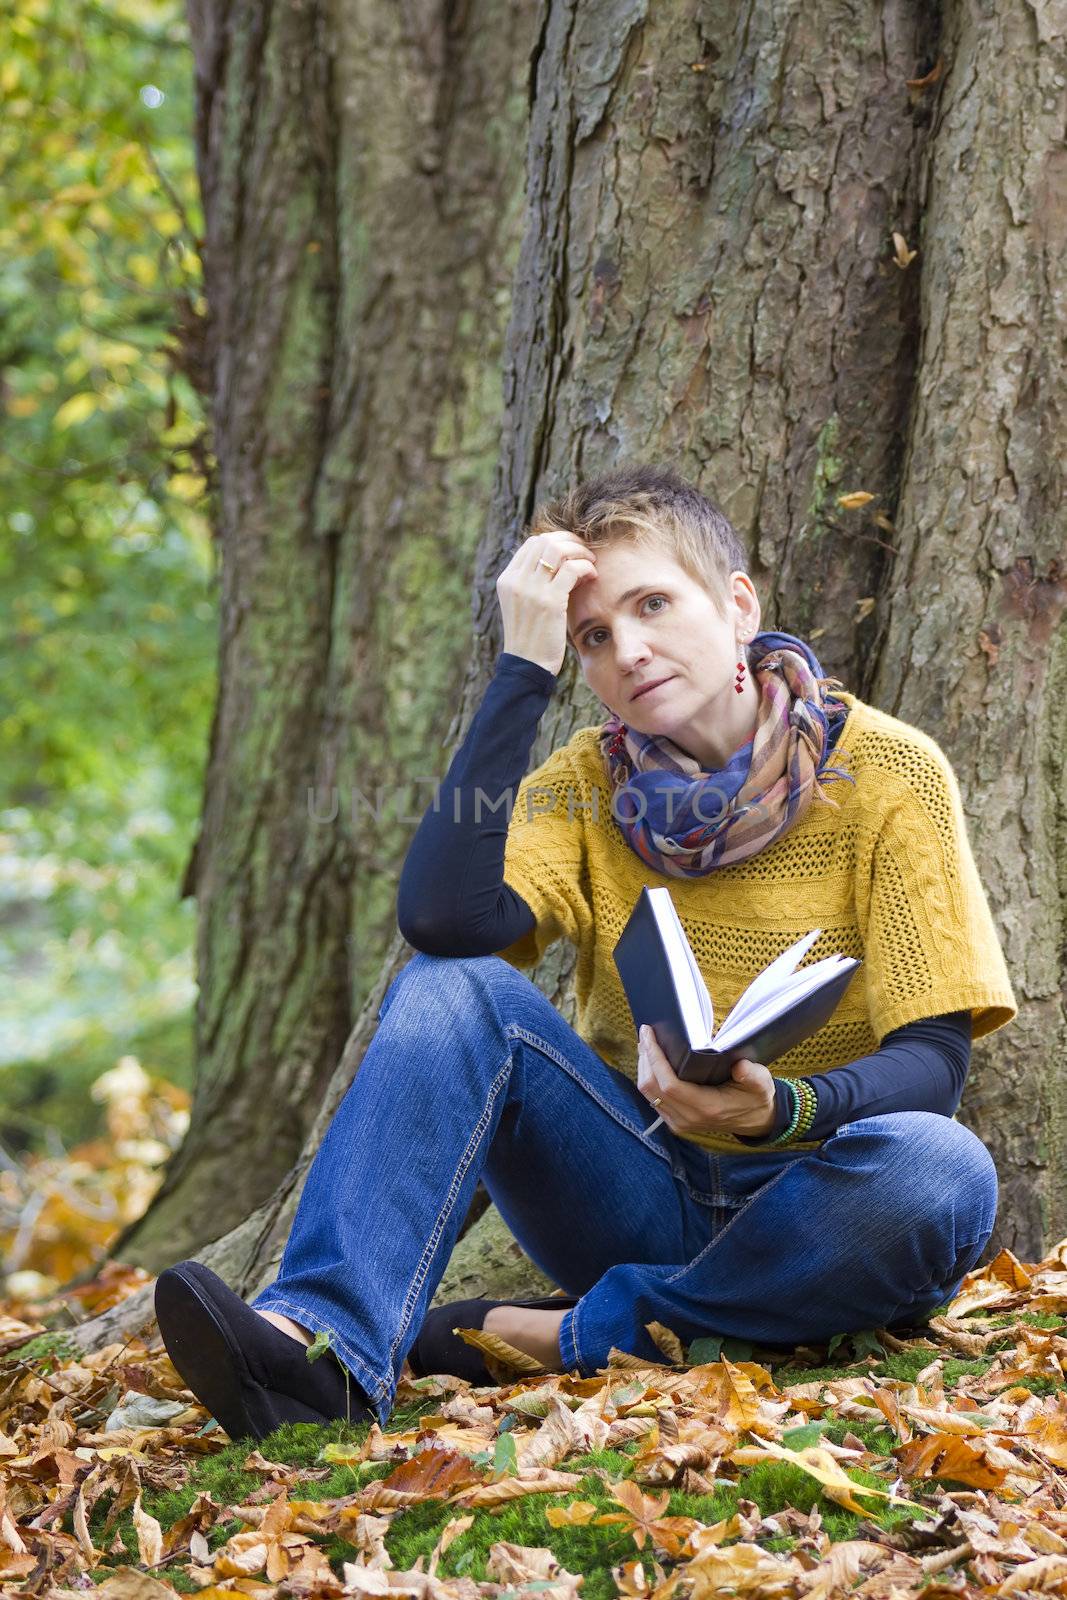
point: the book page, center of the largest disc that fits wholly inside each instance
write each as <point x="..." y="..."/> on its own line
<point x="771" y="979"/>
<point x="689" y="984"/>
<point x="803" y="984"/>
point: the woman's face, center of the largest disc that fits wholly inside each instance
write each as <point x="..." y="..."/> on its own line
<point x="669" y="628"/>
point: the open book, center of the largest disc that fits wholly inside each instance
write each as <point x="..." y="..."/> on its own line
<point x="781" y="1006"/>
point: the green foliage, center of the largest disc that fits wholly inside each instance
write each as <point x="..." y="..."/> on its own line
<point x="106" y="565"/>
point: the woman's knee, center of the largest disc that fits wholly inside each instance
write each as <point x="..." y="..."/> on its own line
<point x="438" y="980"/>
<point x="933" y="1166"/>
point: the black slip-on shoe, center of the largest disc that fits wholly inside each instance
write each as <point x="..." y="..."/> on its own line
<point x="250" y="1375"/>
<point x="438" y="1350"/>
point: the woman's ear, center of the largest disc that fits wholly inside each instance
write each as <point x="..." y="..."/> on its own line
<point x="746" y="601"/>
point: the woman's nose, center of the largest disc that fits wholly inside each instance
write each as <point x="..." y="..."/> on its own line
<point x="630" y="649"/>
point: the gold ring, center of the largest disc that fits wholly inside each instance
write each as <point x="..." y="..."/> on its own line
<point x="543" y="563"/>
<point x="656" y="1101"/>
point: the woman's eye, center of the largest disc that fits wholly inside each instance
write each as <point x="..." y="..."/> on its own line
<point x="590" y="638"/>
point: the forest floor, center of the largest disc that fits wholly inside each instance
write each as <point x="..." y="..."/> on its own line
<point x="876" y="1466"/>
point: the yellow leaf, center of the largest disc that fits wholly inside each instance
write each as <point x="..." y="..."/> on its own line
<point x="903" y="256"/>
<point x="22" y="405"/>
<point x="76" y="409"/>
<point x="574" y="1515"/>
<point x="143" y="269"/>
<point x="187" y="486"/>
<point x="821" y="1465"/>
<point x="853" y="502"/>
<point x="77" y="194"/>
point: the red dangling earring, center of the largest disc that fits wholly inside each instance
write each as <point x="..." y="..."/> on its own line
<point x="739" y="685"/>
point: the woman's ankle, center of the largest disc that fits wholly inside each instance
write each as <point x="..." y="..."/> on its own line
<point x="286" y="1324"/>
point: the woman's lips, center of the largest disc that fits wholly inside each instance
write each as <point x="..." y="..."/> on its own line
<point x="651" y="688"/>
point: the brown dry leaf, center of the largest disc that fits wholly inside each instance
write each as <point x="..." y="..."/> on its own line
<point x="1048" y="1574"/>
<point x="919" y="85"/>
<point x="149" y="1535"/>
<point x="241" y="1555"/>
<point x="368" y="1533"/>
<point x="732" y="1390"/>
<point x="1046" y="1433"/>
<point x="864" y="607"/>
<point x="855" y="500"/>
<point x="1010" y="1270"/>
<point x="516" y="1563"/>
<point x="947" y="1455"/>
<point x="433" y="1474"/>
<point x="499" y="1352"/>
<point x="449" y="1534"/>
<point x="129" y="1584"/>
<point x="10" y="1538"/>
<point x="624" y="1360"/>
<point x="842" y="1564"/>
<point x="643" y="1517"/>
<point x="742" y="1569"/>
<point x="667" y="1341"/>
<point x="561" y="1434"/>
<point x="887" y="1403"/>
<point x="903" y="257"/>
<point x="541" y="1481"/>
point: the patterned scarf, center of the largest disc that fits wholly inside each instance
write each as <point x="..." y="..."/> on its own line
<point x="685" y="822"/>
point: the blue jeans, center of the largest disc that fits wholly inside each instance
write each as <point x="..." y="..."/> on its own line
<point x="472" y="1073"/>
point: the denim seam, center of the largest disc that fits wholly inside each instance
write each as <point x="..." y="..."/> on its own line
<point x="756" y="1193"/>
<point x="515" y="1030"/>
<point x="375" y="1388"/>
<point x="450" y="1199"/>
<point x="567" y="1338"/>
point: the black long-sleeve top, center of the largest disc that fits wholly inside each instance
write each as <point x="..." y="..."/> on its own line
<point x="452" y="901"/>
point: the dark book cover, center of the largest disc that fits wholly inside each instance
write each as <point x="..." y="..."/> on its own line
<point x="645" y="970"/>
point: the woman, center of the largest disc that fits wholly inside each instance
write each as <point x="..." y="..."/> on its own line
<point x="832" y="1194"/>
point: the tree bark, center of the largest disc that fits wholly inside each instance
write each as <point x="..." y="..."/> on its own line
<point x="361" y="171"/>
<point x="709" y="275"/>
<point x="972" y="644"/>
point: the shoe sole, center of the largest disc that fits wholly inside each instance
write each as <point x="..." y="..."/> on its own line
<point x="212" y="1364"/>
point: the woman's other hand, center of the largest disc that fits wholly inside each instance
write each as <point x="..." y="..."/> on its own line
<point x="533" y="599"/>
<point x="744" y="1106"/>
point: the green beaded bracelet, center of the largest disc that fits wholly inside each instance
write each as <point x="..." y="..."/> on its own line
<point x="805" y="1105"/>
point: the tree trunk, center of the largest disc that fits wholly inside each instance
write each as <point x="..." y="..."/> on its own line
<point x="709" y="275"/>
<point x="361" y="173"/>
<point x="972" y="644"/>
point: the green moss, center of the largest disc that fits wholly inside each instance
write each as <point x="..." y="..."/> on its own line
<point x="827" y="472"/>
<point x="774" y="1485"/>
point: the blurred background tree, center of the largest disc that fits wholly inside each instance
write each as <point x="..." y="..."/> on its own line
<point x="107" y="573"/>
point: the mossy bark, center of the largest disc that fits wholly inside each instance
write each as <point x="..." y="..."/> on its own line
<point x="361" y="170"/>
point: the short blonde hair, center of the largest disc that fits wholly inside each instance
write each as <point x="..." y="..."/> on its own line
<point x="657" y="509"/>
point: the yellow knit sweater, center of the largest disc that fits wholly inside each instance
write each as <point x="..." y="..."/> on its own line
<point x="889" y="875"/>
